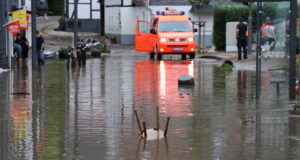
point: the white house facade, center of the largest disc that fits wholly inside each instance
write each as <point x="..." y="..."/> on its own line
<point x="88" y="15"/>
<point x="120" y="17"/>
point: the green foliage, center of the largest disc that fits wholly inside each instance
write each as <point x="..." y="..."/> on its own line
<point x="202" y="2"/>
<point x="61" y="20"/>
<point x="56" y="6"/>
<point x="54" y="123"/>
<point x="100" y="47"/>
<point x="222" y="15"/>
<point x="276" y="10"/>
<point x="64" y="48"/>
<point x="298" y="9"/>
<point x="232" y="13"/>
<point x="226" y="67"/>
<point x="270" y="10"/>
<point x="114" y="39"/>
<point x="298" y="63"/>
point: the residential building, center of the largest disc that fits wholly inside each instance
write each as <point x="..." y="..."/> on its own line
<point x="6" y="38"/>
<point x="88" y="15"/>
<point x="5" y="8"/>
<point x="121" y="15"/>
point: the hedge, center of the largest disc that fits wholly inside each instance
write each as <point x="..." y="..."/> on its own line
<point x="222" y="15"/>
<point x="56" y="6"/>
<point x="230" y="13"/>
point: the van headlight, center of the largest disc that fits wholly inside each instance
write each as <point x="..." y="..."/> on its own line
<point x="190" y="39"/>
<point x="163" y="39"/>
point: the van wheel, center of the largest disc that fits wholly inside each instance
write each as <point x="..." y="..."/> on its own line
<point x="183" y="56"/>
<point x="159" y="56"/>
<point x="152" y="55"/>
<point x="192" y="55"/>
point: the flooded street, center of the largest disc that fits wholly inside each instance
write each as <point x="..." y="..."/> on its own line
<point x="87" y="113"/>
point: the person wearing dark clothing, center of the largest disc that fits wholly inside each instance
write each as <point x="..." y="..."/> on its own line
<point x="25" y="47"/>
<point x="40" y="48"/>
<point x="241" y="36"/>
<point x="18" y="47"/>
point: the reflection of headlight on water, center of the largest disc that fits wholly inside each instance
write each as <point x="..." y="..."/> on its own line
<point x="191" y="69"/>
<point x="162" y="79"/>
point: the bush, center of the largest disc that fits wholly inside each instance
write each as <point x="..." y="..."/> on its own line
<point x="222" y="15"/>
<point x="100" y="47"/>
<point x="232" y="13"/>
<point x="56" y="6"/>
<point x="64" y="48"/>
<point x="114" y="39"/>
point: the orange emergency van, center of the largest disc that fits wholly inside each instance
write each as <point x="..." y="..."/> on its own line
<point x="169" y="32"/>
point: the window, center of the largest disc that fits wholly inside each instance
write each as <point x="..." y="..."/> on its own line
<point x="175" y="26"/>
<point x="144" y="27"/>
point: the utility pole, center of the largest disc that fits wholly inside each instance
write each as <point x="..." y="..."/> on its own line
<point x="102" y="17"/>
<point x="33" y="34"/>
<point x="199" y="32"/>
<point x="293" y="40"/>
<point x="75" y="23"/>
<point x="250" y="29"/>
<point x="258" y="49"/>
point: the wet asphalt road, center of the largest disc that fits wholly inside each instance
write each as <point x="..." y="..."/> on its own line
<point x="87" y="113"/>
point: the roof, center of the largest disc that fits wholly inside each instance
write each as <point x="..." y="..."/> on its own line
<point x="169" y="2"/>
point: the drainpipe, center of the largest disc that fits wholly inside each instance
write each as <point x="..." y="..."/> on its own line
<point x="293" y="41"/>
<point x="33" y="35"/>
<point x="149" y="9"/>
<point x="102" y="17"/>
<point x="75" y="32"/>
<point x="250" y="29"/>
<point x="7" y="39"/>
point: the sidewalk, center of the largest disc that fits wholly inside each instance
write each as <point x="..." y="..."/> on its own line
<point x="268" y="62"/>
<point x="55" y="39"/>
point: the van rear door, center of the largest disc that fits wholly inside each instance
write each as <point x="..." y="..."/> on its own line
<point x="144" y="39"/>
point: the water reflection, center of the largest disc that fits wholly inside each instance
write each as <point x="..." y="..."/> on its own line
<point x="5" y="91"/>
<point x="294" y="127"/>
<point x="87" y="112"/>
<point x="157" y="84"/>
<point x="242" y="81"/>
<point x="20" y="140"/>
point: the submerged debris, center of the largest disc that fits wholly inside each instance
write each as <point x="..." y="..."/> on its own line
<point x="186" y="80"/>
<point x="20" y="93"/>
<point x="227" y="65"/>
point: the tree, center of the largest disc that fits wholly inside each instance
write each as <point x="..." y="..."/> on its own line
<point x="200" y="2"/>
<point x="208" y="2"/>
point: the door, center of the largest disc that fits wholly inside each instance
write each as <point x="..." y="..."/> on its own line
<point x="144" y="39"/>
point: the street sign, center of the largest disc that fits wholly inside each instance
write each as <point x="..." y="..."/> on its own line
<point x="20" y="16"/>
<point x="14" y="27"/>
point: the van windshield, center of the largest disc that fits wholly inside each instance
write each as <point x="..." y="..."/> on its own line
<point x="175" y="26"/>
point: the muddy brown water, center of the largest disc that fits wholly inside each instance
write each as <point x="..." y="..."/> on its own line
<point x="88" y="113"/>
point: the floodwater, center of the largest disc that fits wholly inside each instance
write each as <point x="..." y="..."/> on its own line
<point x="88" y="113"/>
